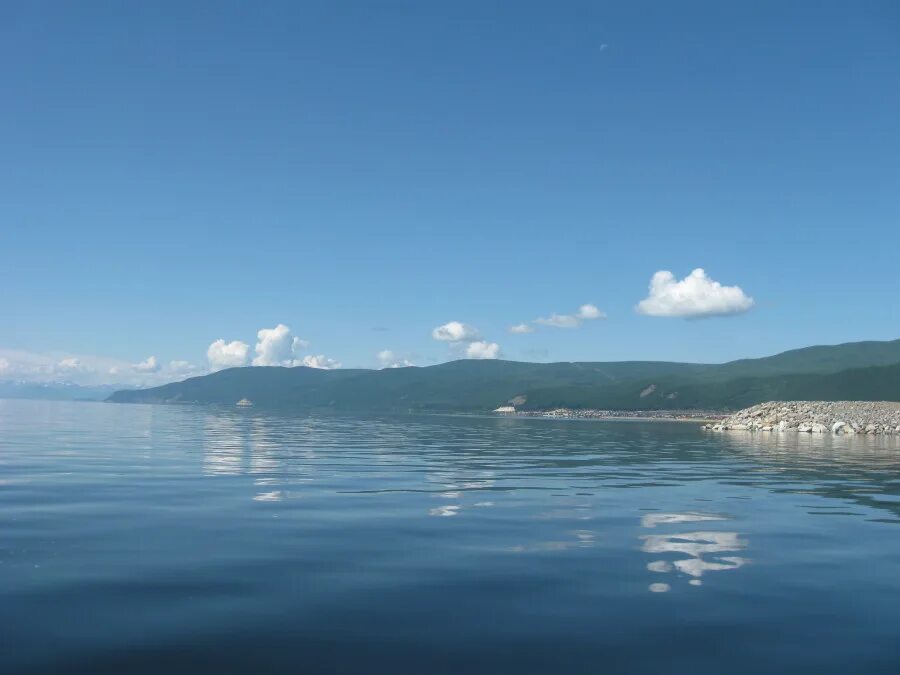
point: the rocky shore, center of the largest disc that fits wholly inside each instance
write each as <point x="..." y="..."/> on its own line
<point x="591" y="413"/>
<point x="817" y="417"/>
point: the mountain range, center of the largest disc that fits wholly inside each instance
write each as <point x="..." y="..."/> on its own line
<point x="851" y="371"/>
<point x="56" y="391"/>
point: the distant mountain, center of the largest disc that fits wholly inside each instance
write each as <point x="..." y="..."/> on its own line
<point x="57" y="391"/>
<point x="853" y="371"/>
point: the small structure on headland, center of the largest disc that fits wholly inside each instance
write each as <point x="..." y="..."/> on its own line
<point x="244" y="403"/>
<point x="506" y="409"/>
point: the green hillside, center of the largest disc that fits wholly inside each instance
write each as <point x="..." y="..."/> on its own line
<point x="854" y="371"/>
<point x="821" y="359"/>
<point x="457" y="385"/>
<point x="878" y="383"/>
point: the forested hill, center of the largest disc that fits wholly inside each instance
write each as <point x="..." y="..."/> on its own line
<point x="853" y="371"/>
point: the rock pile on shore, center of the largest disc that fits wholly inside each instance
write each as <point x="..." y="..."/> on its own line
<point x="817" y="417"/>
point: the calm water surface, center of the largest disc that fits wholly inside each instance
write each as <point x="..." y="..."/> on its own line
<point x="146" y="539"/>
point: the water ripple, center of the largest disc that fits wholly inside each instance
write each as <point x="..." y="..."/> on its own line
<point x="130" y="530"/>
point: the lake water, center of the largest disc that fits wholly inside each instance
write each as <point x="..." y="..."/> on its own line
<point x="147" y="539"/>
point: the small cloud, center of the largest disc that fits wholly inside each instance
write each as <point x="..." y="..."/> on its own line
<point x="559" y="321"/>
<point x="466" y="339"/>
<point x="483" y="349"/>
<point x="180" y="366"/>
<point x="586" y="312"/>
<point x="695" y="296"/>
<point x="70" y="365"/>
<point x="521" y="328"/>
<point x="454" y="331"/>
<point x="183" y="368"/>
<point x="589" y="312"/>
<point x="388" y="359"/>
<point x="320" y="361"/>
<point x="148" y="365"/>
<point x="221" y="354"/>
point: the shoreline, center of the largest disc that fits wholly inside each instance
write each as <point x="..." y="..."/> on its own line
<point x="815" y="417"/>
<point x="697" y="417"/>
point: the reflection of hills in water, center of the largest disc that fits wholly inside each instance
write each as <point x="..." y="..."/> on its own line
<point x="468" y="462"/>
<point x="863" y="470"/>
<point x="702" y="548"/>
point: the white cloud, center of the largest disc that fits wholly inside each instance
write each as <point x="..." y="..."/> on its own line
<point x="466" y="339"/>
<point x="28" y="366"/>
<point x="221" y="354"/>
<point x="148" y="365"/>
<point x="71" y="364"/>
<point x="454" y="331"/>
<point x="483" y="350"/>
<point x="181" y="366"/>
<point x="695" y="296"/>
<point x="33" y="367"/>
<point x="586" y="312"/>
<point x="183" y="369"/>
<point x="274" y="346"/>
<point x="521" y="328"/>
<point x="559" y="321"/>
<point x="277" y="347"/>
<point x="321" y="361"/>
<point x="388" y="359"/>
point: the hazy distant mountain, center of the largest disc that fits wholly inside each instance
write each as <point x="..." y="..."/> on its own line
<point x="57" y="391"/>
<point x="862" y="370"/>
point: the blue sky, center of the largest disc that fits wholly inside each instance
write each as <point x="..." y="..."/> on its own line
<point x="178" y="173"/>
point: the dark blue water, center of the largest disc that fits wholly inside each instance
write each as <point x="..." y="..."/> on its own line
<point x="147" y="539"/>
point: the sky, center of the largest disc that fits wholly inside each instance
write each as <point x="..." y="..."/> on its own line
<point x="186" y="186"/>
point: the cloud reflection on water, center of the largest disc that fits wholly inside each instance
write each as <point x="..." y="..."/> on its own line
<point x="701" y="547"/>
<point x="455" y="463"/>
<point x="225" y="444"/>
